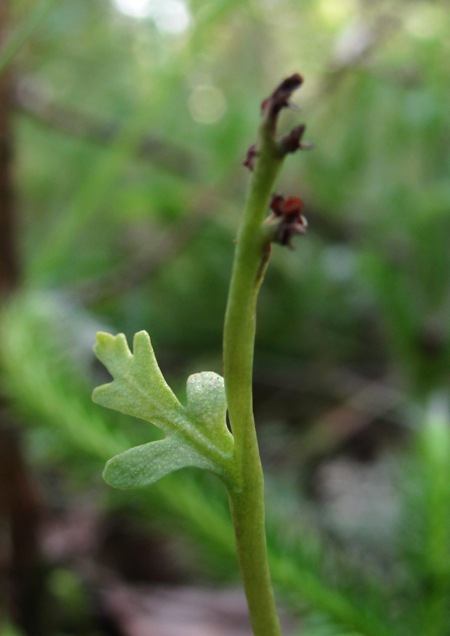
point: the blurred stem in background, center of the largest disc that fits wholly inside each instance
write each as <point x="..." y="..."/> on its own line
<point x="9" y="259"/>
<point x="21" y="586"/>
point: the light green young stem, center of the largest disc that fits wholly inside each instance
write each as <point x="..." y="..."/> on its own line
<point x="247" y="502"/>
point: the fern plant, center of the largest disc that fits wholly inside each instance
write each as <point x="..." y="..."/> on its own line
<point x="197" y="434"/>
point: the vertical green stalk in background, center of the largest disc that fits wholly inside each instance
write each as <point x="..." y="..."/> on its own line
<point x="252" y="253"/>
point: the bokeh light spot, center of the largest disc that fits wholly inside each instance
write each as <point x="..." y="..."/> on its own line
<point x="207" y="104"/>
<point x="169" y="16"/>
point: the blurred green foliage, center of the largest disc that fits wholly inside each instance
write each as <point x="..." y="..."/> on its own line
<point x="376" y="185"/>
<point x="130" y="133"/>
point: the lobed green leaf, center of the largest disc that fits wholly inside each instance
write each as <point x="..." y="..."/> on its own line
<point x="196" y="435"/>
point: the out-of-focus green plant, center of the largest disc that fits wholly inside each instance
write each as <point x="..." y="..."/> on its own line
<point x="9" y="630"/>
<point x="23" y="32"/>
<point x="424" y="533"/>
<point x="381" y="173"/>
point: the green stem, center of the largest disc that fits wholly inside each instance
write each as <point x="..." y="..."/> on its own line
<point x="247" y="499"/>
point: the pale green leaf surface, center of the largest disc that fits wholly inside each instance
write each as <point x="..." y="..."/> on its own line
<point x="207" y="404"/>
<point x="143" y="465"/>
<point x="196" y="435"/>
<point x="139" y="388"/>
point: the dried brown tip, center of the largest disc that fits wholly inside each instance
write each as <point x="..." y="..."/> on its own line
<point x="279" y="99"/>
<point x="286" y="220"/>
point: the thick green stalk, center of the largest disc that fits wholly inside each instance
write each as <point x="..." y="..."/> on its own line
<point x="247" y="500"/>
